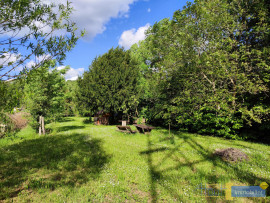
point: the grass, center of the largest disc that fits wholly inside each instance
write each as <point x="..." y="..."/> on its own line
<point x="81" y="162"/>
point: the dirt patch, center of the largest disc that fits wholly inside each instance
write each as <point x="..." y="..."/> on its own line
<point x="138" y="195"/>
<point x="231" y="154"/>
<point x="19" y="120"/>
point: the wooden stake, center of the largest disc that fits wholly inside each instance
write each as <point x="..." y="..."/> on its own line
<point x="43" y="127"/>
<point x="39" y="129"/>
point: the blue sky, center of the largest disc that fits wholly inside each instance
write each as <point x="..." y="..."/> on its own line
<point x="138" y="15"/>
<point x="110" y="23"/>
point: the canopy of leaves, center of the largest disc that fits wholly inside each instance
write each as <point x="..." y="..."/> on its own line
<point x="44" y="92"/>
<point x="211" y="67"/>
<point x="110" y="84"/>
<point x="11" y="95"/>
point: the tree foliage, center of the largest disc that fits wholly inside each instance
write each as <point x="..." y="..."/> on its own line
<point x="110" y="84"/>
<point x="33" y="30"/>
<point x="211" y="67"/>
<point x="11" y="95"/>
<point x="206" y="70"/>
<point x="70" y="105"/>
<point x="44" y="92"/>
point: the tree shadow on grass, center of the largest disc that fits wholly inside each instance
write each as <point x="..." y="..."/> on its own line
<point x="88" y="120"/>
<point x="66" y="119"/>
<point x="155" y="174"/>
<point x="50" y="162"/>
<point x="68" y="128"/>
<point x="158" y="172"/>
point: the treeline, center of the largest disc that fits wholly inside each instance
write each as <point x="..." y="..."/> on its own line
<point x="43" y="92"/>
<point x="206" y="70"/>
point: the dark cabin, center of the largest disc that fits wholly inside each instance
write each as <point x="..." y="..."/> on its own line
<point x="102" y="118"/>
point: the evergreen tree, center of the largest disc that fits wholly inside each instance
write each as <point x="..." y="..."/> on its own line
<point x="110" y="85"/>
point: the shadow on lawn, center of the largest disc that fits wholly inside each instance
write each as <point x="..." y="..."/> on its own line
<point x="66" y="119"/>
<point x="68" y="128"/>
<point x="157" y="175"/>
<point x="88" y="120"/>
<point x="50" y="162"/>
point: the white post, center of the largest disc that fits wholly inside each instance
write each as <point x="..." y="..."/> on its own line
<point x="143" y="120"/>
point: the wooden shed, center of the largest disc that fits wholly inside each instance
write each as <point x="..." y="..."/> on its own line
<point x="102" y="118"/>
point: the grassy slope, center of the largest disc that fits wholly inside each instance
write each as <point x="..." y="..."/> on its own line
<point x="80" y="162"/>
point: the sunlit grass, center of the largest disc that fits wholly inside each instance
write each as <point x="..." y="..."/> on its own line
<point x="81" y="162"/>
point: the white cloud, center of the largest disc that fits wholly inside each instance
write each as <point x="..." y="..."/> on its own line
<point x="149" y="10"/>
<point x="73" y="78"/>
<point x="7" y="58"/>
<point x="72" y="73"/>
<point x="10" y="61"/>
<point x="92" y="15"/>
<point x="37" y="60"/>
<point x="130" y="37"/>
<point x="30" y="64"/>
<point x="60" y="67"/>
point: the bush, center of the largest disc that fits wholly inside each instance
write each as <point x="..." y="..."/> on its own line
<point x="212" y="122"/>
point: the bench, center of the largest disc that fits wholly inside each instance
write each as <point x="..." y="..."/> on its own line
<point x="144" y="128"/>
<point x="125" y="129"/>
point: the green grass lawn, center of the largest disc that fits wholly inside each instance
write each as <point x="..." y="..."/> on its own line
<point x="81" y="162"/>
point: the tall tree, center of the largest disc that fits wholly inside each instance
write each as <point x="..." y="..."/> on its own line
<point x="44" y="92"/>
<point x="146" y="84"/>
<point x="110" y="84"/>
<point x="207" y="73"/>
